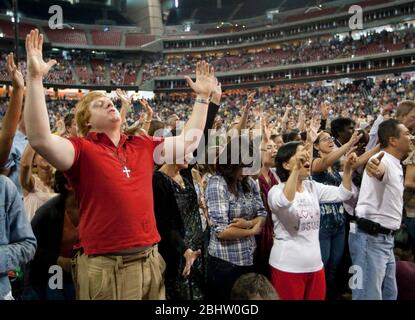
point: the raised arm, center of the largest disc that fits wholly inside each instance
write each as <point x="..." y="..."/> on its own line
<point x="301" y="120"/>
<point x="325" y="112"/>
<point x="12" y="116"/>
<point x="322" y="164"/>
<point x="245" y="113"/>
<point x="333" y="194"/>
<point x="290" y="187"/>
<point x="266" y="134"/>
<point x="125" y="104"/>
<point x="175" y="148"/>
<point x="26" y="165"/>
<point x="58" y="151"/>
<point x="364" y="158"/>
<point x="284" y="119"/>
<point x="148" y="114"/>
<point x="213" y="109"/>
<point x="373" y="133"/>
<point x="349" y="163"/>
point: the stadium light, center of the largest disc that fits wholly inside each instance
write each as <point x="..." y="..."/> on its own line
<point x="271" y="13"/>
<point x="320" y="7"/>
<point x="69" y="26"/>
<point x="176" y="3"/>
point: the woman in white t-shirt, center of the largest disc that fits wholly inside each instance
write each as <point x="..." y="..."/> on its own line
<point x="296" y="267"/>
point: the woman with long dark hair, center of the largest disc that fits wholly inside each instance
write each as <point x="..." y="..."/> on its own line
<point x="237" y="214"/>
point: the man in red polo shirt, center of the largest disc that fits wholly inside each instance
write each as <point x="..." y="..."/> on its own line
<point x="112" y="178"/>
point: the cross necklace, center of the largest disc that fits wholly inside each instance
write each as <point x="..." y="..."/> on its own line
<point x="123" y="161"/>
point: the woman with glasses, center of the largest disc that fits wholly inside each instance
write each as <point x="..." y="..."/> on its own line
<point x="326" y="170"/>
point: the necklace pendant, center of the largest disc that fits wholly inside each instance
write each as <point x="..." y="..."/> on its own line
<point x="126" y="171"/>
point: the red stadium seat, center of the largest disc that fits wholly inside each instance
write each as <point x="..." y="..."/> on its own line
<point x="108" y="38"/>
<point x="68" y="36"/>
<point x="137" y="39"/>
<point x="8" y="30"/>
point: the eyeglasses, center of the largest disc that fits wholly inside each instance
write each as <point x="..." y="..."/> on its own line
<point x="329" y="139"/>
<point x="270" y="149"/>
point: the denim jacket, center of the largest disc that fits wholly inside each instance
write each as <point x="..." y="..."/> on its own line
<point x="17" y="241"/>
<point x="13" y="163"/>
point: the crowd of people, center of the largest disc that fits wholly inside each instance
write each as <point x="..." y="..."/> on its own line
<point x="87" y="70"/>
<point x="124" y="73"/>
<point x="271" y="193"/>
<point x="295" y="52"/>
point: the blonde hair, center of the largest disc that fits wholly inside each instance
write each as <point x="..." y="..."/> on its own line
<point x="82" y="113"/>
<point x="404" y="108"/>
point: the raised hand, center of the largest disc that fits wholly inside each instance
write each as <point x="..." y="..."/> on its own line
<point x="266" y="134"/>
<point x="190" y="257"/>
<point x="302" y="158"/>
<point x="14" y="73"/>
<point x="351" y="159"/>
<point x="204" y="79"/>
<point x="355" y="138"/>
<point x="325" y="109"/>
<point x="147" y="108"/>
<point x="36" y="66"/>
<point x="375" y="168"/>
<point x="122" y="95"/>
<point x="312" y="131"/>
<point x="249" y="102"/>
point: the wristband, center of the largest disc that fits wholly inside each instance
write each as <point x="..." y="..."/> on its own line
<point x="201" y="100"/>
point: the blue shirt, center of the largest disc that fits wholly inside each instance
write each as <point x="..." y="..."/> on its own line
<point x="17" y="241"/>
<point x="13" y="163"/>
<point x="223" y="207"/>
<point x="332" y="214"/>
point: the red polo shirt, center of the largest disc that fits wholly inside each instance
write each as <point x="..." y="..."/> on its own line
<point x="116" y="211"/>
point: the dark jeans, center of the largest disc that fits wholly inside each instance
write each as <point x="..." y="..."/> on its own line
<point x="332" y="244"/>
<point x="222" y="276"/>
